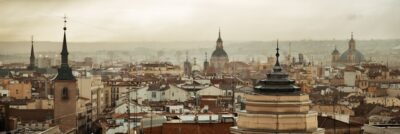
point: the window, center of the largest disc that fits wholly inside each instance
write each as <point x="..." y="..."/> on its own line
<point x="16" y="92"/>
<point x="64" y="93"/>
<point x="172" y="93"/>
<point x="153" y="94"/>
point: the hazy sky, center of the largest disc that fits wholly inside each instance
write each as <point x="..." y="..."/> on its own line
<point x="184" y="20"/>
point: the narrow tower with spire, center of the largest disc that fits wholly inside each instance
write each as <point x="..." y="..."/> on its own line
<point x="65" y="72"/>
<point x="32" y="59"/>
<point x="65" y="92"/>
<point x="205" y="64"/>
<point x="187" y="66"/>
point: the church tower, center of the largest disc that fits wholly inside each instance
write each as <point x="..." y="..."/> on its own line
<point x="32" y="57"/>
<point x="352" y="48"/>
<point x="351" y="56"/>
<point x="65" y="92"/>
<point x="205" y="64"/>
<point x="219" y="57"/>
<point x="187" y="66"/>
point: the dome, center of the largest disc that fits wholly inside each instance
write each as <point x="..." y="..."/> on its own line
<point x="358" y="56"/>
<point x="219" y="52"/>
<point x="335" y="52"/>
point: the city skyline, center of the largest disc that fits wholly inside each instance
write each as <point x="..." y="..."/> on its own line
<point x="199" y="67"/>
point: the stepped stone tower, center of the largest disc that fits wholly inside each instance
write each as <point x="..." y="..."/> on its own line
<point x="277" y="105"/>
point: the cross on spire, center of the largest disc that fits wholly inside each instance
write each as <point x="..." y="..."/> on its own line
<point x="65" y="22"/>
<point x="64" y="51"/>
<point x="65" y="72"/>
<point x="277" y="67"/>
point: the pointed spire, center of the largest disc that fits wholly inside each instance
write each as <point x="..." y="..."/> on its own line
<point x="64" y="51"/>
<point x="277" y="81"/>
<point x="65" y="72"/>
<point x="277" y="53"/>
<point x="219" y="40"/>
<point x="32" y="57"/>
<point x="32" y="51"/>
<point x="277" y="67"/>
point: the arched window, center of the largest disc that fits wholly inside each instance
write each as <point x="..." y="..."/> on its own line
<point x="64" y="93"/>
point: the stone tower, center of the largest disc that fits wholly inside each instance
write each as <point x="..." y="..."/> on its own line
<point x="65" y="93"/>
<point x="277" y="105"/>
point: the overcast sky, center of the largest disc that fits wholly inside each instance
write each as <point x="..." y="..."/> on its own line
<point x="184" y="20"/>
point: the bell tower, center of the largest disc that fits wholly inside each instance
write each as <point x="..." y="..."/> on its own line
<point x="65" y="92"/>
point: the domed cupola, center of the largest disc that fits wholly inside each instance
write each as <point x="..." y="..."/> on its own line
<point x="219" y="50"/>
<point x="352" y="55"/>
<point x="335" y="52"/>
<point x="219" y="58"/>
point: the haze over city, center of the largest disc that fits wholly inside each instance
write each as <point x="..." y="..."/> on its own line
<point x="181" y="20"/>
<point x="200" y="67"/>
